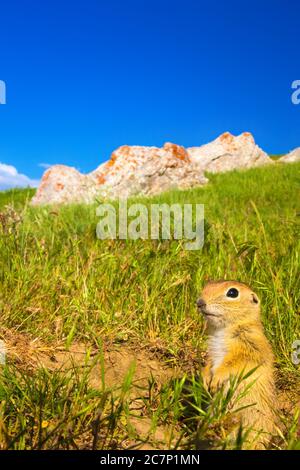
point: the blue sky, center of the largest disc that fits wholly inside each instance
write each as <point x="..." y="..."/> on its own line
<point x="84" y="77"/>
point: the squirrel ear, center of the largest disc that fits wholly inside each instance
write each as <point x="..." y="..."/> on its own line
<point x="255" y="299"/>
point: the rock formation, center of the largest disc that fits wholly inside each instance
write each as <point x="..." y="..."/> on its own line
<point x="293" y="156"/>
<point x="229" y="153"/>
<point x="62" y="184"/>
<point x="137" y="170"/>
<point x="147" y="170"/>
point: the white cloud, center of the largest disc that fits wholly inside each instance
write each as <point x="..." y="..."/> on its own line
<point x="11" y="178"/>
<point x="45" y="165"/>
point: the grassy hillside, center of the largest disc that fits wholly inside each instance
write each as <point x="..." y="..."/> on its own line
<point x="62" y="290"/>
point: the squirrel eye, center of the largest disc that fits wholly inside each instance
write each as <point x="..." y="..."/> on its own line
<point x="232" y="293"/>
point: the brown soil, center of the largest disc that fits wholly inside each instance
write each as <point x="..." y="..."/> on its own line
<point x="117" y="360"/>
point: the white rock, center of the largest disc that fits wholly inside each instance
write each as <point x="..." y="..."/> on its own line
<point x="147" y="170"/>
<point x="137" y="170"/>
<point x="228" y="152"/>
<point x="62" y="184"/>
<point x="291" y="157"/>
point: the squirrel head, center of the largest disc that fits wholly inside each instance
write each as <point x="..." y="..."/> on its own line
<point x="224" y="303"/>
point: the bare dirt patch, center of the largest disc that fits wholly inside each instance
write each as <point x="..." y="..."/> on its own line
<point x="115" y="363"/>
<point x="106" y="369"/>
<point x="116" y="360"/>
<point x="109" y="369"/>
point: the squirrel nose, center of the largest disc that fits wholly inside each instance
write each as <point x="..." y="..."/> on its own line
<point x="201" y="303"/>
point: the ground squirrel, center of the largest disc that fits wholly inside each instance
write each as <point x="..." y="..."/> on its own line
<point x="237" y="344"/>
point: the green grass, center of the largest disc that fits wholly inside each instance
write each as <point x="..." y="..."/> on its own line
<point x="62" y="285"/>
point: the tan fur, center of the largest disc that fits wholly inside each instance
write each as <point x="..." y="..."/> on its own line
<point x="237" y="344"/>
